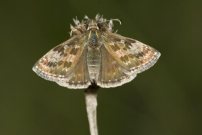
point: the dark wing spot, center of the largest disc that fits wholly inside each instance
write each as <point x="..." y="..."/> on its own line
<point x="115" y="47"/>
<point x="62" y="72"/>
<point x="131" y="56"/>
<point x="124" y="58"/>
<point x="67" y="64"/>
<point x="140" y="54"/>
<point x="65" y="54"/>
<point x="129" y="41"/>
<point x="74" y="51"/>
<point x="126" y="47"/>
<point x="51" y="64"/>
<point x="60" y="63"/>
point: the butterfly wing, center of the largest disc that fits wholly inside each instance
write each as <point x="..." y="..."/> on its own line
<point x="123" y="58"/>
<point x="65" y="64"/>
<point x="112" y="74"/>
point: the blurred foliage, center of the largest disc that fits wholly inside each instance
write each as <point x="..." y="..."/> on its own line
<point x="165" y="100"/>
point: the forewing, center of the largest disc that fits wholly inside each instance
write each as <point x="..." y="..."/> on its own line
<point x="122" y="59"/>
<point x="134" y="56"/>
<point x="61" y="64"/>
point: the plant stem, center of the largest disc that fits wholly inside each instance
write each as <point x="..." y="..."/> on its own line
<point x="91" y="107"/>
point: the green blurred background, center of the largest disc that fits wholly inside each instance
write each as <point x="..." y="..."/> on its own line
<point x="165" y="100"/>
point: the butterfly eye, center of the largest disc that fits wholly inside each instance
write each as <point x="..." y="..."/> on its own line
<point x="99" y="25"/>
<point x="102" y="26"/>
<point x="86" y="25"/>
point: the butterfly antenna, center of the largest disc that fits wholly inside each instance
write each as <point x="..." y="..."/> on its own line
<point x="76" y="21"/>
<point x="116" y="20"/>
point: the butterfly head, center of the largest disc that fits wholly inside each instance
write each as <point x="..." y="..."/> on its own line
<point x="97" y="24"/>
<point x="92" y="25"/>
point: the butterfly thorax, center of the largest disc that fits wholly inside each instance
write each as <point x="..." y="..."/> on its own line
<point x="93" y="39"/>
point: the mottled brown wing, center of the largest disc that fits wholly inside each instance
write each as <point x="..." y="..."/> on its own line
<point x="112" y="74"/>
<point x="65" y="64"/>
<point x="131" y="54"/>
<point x="123" y="58"/>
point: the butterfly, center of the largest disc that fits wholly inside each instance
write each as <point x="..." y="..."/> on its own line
<point x="95" y="54"/>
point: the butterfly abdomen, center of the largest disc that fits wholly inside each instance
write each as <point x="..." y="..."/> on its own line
<point x="93" y="62"/>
